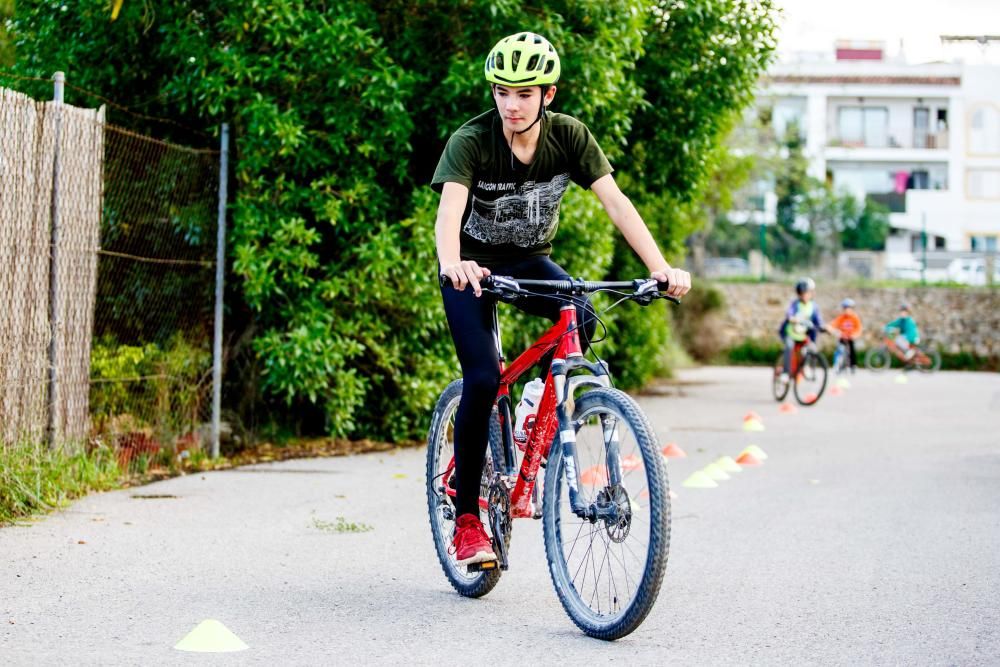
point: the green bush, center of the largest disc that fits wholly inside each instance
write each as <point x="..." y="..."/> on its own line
<point x="752" y="352"/>
<point x="148" y="388"/>
<point x="340" y="113"/>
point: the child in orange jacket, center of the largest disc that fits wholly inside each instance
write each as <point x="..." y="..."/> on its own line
<point x="847" y="325"/>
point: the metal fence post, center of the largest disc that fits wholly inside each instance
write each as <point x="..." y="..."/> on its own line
<point x="220" y="272"/>
<point x="59" y="78"/>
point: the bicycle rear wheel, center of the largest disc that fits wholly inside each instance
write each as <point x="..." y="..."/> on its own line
<point x="932" y="362"/>
<point x="608" y="573"/>
<point x="441" y="508"/>
<point x="810" y="381"/>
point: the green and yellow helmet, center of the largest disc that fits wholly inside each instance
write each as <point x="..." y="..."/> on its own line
<point x="523" y="59"/>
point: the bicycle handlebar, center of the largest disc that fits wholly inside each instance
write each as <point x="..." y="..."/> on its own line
<point x="644" y="289"/>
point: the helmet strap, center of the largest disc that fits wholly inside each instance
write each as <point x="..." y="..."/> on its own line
<point x="541" y="113"/>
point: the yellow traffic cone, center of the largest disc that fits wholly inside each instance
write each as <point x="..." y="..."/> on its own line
<point x="211" y="636"/>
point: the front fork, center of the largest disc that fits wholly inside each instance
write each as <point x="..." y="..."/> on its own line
<point x="567" y="439"/>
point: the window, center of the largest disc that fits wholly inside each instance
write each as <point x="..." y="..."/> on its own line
<point x="864" y="126"/>
<point x="984" y="130"/>
<point x="984" y="243"/>
<point x="921" y="127"/>
<point x="982" y="183"/>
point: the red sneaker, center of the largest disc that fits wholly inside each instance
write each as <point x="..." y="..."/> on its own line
<point x="471" y="543"/>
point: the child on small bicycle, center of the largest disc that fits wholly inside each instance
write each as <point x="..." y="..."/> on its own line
<point x="801" y="321"/>
<point x="908" y="334"/>
<point x="501" y="177"/>
<point x="847" y="325"/>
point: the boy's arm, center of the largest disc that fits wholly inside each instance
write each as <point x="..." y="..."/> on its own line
<point x="447" y="229"/>
<point x="622" y="212"/>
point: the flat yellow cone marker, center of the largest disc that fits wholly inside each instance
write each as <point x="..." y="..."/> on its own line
<point x="715" y="472"/>
<point x="699" y="480"/>
<point x="757" y="452"/>
<point x="901" y="379"/>
<point x="843" y="383"/>
<point x="211" y="636"/>
<point x="728" y="464"/>
<point x="754" y="425"/>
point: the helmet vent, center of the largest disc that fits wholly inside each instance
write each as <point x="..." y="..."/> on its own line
<point x="515" y="57"/>
<point x="533" y="63"/>
<point x="549" y="66"/>
<point x="499" y="61"/>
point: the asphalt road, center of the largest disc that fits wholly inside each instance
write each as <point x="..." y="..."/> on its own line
<point x="871" y="535"/>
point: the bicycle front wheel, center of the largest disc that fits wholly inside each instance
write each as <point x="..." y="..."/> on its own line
<point x="810" y="381"/>
<point x="440" y="486"/>
<point x="779" y="387"/>
<point x="878" y="359"/>
<point x="607" y="573"/>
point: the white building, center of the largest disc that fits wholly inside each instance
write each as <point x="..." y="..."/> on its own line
<point x="923" y="139"/>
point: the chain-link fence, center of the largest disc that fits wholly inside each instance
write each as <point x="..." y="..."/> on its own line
<point x="107" y="239"/>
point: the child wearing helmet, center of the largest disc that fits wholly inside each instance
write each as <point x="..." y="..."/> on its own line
<point x="502" y="177"/>
<point x="908" y="334"/>
<point x="801" y="321"/>
<point x="847" y="325"/>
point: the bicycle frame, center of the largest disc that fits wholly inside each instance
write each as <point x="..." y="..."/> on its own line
<point x="918" y="353"/>
<point x="554" y="415"/>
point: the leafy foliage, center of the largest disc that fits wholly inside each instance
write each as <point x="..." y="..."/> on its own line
<point x="340" y="111"/>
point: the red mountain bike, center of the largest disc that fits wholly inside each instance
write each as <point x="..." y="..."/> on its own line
<point x="605" y="508"/>
<point x="807" y="374"/>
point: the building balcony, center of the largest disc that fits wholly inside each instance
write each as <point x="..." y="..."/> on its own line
<point x="931" y="141"/>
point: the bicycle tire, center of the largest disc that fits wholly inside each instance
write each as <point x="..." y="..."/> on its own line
<point x="481" y="583"/>
<point x="820" y="364"/>
<point x="935" y="358"/>
<point x="602" y="401"/>
<point x="878" y="359"/>
<point x="778" y="388"/>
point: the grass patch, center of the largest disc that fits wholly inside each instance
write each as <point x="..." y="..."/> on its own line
<point x="34" y="479"/>
<point x="342" y="525"/>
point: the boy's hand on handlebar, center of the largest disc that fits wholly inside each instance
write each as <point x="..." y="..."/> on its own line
<point x="465" y="273"/>
<point x="678" y="279"/>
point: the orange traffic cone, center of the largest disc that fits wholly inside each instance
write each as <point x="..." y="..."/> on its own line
<point x="597" y="476"/>
<point x="751" y="415"/>
<point x="787" y="408"/>
<point x="748" y="459"/>
<point x="836" y="391"/>
<point x="673" y="451"/>
<point x="810" y="398"/>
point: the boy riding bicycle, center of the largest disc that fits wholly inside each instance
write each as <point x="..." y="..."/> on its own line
<point x="847" y="325"/>
<point x="909" y="334"/>
<point x="502" y="177"/>
<point x="801" y="321"/>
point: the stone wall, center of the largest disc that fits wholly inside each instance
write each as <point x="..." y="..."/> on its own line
<point x="959" y="320"/>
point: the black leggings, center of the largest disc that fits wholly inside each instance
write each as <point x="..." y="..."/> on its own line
<point x="471" y="322"/>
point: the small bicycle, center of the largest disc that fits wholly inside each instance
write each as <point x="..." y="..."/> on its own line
<point x="605" y="507"/>
<point x="807" y="374"/>
<point x="842" y="359"/>
<point x="925" y="358"/>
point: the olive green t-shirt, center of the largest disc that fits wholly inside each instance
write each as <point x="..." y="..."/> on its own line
<point x="513" y="209"/>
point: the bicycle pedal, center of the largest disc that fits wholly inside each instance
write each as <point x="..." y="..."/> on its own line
<point x="482" y="567"/>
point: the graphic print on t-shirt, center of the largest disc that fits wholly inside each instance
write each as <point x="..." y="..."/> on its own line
<point x="525" y="218"/>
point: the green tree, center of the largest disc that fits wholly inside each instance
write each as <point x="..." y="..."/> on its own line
<point x="340" y="111"/>
<point x="6" y="43"/>
<point x="869" y="230"/>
